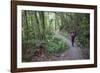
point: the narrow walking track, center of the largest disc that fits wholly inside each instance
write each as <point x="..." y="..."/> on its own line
<point x="73" y="53"/>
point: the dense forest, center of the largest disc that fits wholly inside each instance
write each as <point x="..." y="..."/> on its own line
<point x="40" y="31"/>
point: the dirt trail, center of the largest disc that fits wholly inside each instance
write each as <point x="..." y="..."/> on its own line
<point x="72" y="53"/>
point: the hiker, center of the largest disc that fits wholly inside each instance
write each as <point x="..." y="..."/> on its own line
<point x="73" y="35"/>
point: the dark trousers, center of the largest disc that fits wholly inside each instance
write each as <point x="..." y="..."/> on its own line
<point x="73" y="41"/>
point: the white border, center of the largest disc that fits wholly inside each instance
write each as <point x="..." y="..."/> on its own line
<point x="53" y="63"/>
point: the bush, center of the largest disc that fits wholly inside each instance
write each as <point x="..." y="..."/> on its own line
<point x="56" y="45"/>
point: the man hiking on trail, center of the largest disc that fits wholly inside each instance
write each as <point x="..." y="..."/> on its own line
<point x="73" y="35"/>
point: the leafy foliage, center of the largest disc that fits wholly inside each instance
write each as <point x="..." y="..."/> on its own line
<point x="56" y="45"/>
<point x="83" y="36"/>
<point x="38" y="26"/>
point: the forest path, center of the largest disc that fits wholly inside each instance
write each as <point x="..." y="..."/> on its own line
<point x="73" y="53"/>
